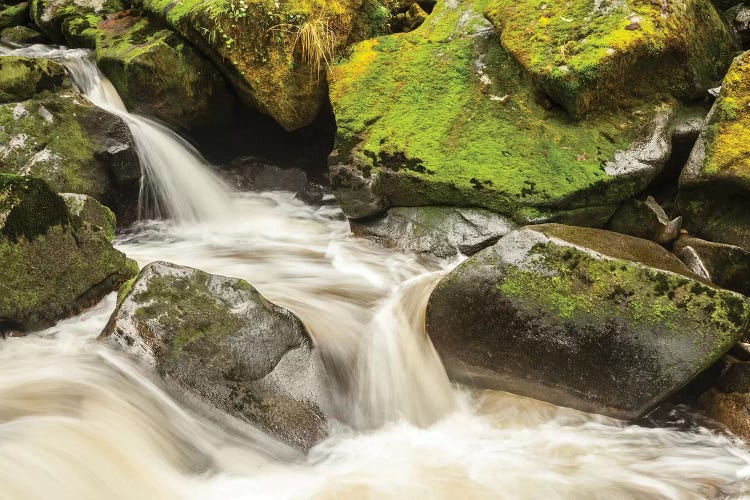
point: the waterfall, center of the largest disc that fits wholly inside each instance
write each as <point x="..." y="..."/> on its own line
<point x="176" y="181"/>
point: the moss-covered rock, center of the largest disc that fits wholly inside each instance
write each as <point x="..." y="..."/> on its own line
<point x="91" y="212"/>
<point x="589" y="54"/>
<point x="52" y="263"/>
<point x="581" y="317"/>
<point x="443" y="115"/>
<point x="72" y="144"/>
<point x="274" y="53"/>
<point x="22" y="78"/>
<point x="221" y="342"/>
<point x="645" y="219"/>
<point x="726" y="265"/>
<point x="715" y="184"/>
<point x="155" y="71"/>
<point x="22" y="35"/>
<point x="15" y="14"/>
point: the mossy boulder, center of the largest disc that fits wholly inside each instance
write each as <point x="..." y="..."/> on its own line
<point x="22" y="78"/>
<point x="581" y="317"/>
<point x="72" y="144"/>
<point x="726" y="265"/>
<point x="590" y="54"/>
<point x="155" y="71"/>
<point x="52" y="263"/>
<point x="645" y="219"/>
<point x="13" y="14"/>
<point x="22" y="35"/>
<point x="715" y="183"/>
<point x="218" y="340"/>
<point x="439" y="231"/>
<point x="729" y="401"/>
<point x="91" y="212"/>
<point x="274" y="54"/>
<point x="443" y="115"/>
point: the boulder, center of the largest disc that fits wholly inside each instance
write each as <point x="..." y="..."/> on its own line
<point x="91" y="212"/>
<point x="72" y="144"/>
<point x="715" y="184"/>
<point x="645" y="219"/>
<point x="219" y="341"/>
<point x="135" y="54"/>
<point x="729" y="401"/>
<point x="726" y="265"/>
<point x="274" y="55"/>
<point x="586" y="54"/>
<point x="439" y="231"/>
<point x="443" y="115"/>
<point x="738" y="18"/>
<point x="22" y="78"/>
<point x="581" y="317"/>
<point x="52" y="263"/>
<point x="13" y="15"/>
<point x="22" y="35"/>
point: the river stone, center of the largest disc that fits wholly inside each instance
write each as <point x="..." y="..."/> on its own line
<point x="440" y="231"/>
<point x="22" y="78"/>
<point x="92" y="212"/>
<point x="52" y="263"/>
<point x="221" y="341"/>
<point x="443" y="115"/>
<point x="22" y="35"/>
<point x="729" y="402"/>
<point x="13" y="15"/>
<point x="726" y="265"/>
<point x="581" y="317"/>
<point x="738" y="17"/>
<point x="714" y="186"/>
<point x="645" y="219"/>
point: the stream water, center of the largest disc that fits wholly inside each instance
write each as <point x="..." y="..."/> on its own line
<point x="79" y="420"/>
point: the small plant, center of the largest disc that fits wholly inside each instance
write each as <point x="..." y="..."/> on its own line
<point x="314" y="41"/>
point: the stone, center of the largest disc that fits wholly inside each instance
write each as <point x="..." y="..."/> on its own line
<point x="645" y="219"/>
<point x="729" y="402"/>
<point x="22" y="35"/>
<point x="91" y="212"/>
<point x="218" y="340"/>
<point x="726" y="265"/>
<point x="52" y="263"/>
<point x="738" y="17"/>
<point x="13" y="15"/>
<point x="22" y="78"/>
<point x="580" y="317"/>
<point x="439" y="231"/>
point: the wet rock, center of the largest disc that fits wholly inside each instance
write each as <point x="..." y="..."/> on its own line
<point x="220" y="341"/>
<point x="252" y="174"/>
<point x="316" y="195"/>
<point x="738" y="17"/>
<point x="726" y="265"/>
<point x="13" y="15"/>
<point x="580" y="317"/>
<point x="645" y="219"/>
<point x="585" y="61"/>
<point x="22" y="78"/>
<point x="22" y="35"/>
<point x="52" y="263"/>
<point x="715" y="183"/>
<point x="729" y="402"/>
<point x="445" y="136"/>
<point x="91" y="212"/>
<point x="440" y="231"/>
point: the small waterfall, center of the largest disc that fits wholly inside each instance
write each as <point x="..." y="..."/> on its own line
<point x="177" y="182"/>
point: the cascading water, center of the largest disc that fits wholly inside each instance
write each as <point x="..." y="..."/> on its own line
<point x="78" y="420"/>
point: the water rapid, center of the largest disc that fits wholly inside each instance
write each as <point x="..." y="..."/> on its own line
<point x="80" y="421"/>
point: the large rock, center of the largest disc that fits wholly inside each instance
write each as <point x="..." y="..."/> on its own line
<point x="729" y="401"/>
<point x="645" y="219"/>
<point x="92" y="212"/>
<point x="22" y="78"/>
<point x="52" y="263"/>
<point x="155" y="71"/>
<point x="726" y="265"/>
<point x="589" y="54"/>
<point x="715" y="183"/>
<point x="22" y="35"/>
<point x="440" y="231"/>
<point x="13" y="15"/>
<point x="580" y="317"/>
<point x="275" y="55"/>
<point x="72" y="144"/>
<point x="738" y="18"/>
<point x="443" y="115"/>
<point x="219" y="340"/>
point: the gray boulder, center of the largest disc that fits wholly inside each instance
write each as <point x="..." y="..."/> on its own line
<point x="726" y="265"/>
<point x="218" y="340"/>
<point x="645" y="219"/>
<point x="580" y="317"/>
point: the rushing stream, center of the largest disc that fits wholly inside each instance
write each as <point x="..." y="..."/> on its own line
<point x="80" y="421"/>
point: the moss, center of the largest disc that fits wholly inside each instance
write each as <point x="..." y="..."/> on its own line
<point x="13" y="15"/>
<point x="28" y="207"/>
<point x="444" y="115"/>
<point x="23" y="35"/>
<point x="22" y="78"/>
<point x="587" y="57"/>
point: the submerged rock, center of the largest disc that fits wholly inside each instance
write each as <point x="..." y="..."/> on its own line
<point x="586" y="55"/>
<point x="440" y="231"/>
<point x="715" y="184"/>
<point x="585" y="318"/>
<point x="443" y="115"/>
<point x="52" y="263"/>
<point x="729" y="401"/>
<point x="645" y="219"/>
<point x="726" y="265"/>
<point x="221" y="341"/>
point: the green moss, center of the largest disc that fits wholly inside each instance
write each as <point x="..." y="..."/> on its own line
<point x="586" y="57"/>
<point x="28" y="207"/>
<point x="13" y="15"/>
<point x="22" y="78"/>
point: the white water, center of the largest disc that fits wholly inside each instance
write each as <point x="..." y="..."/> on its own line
<point x="78" y="420"/>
